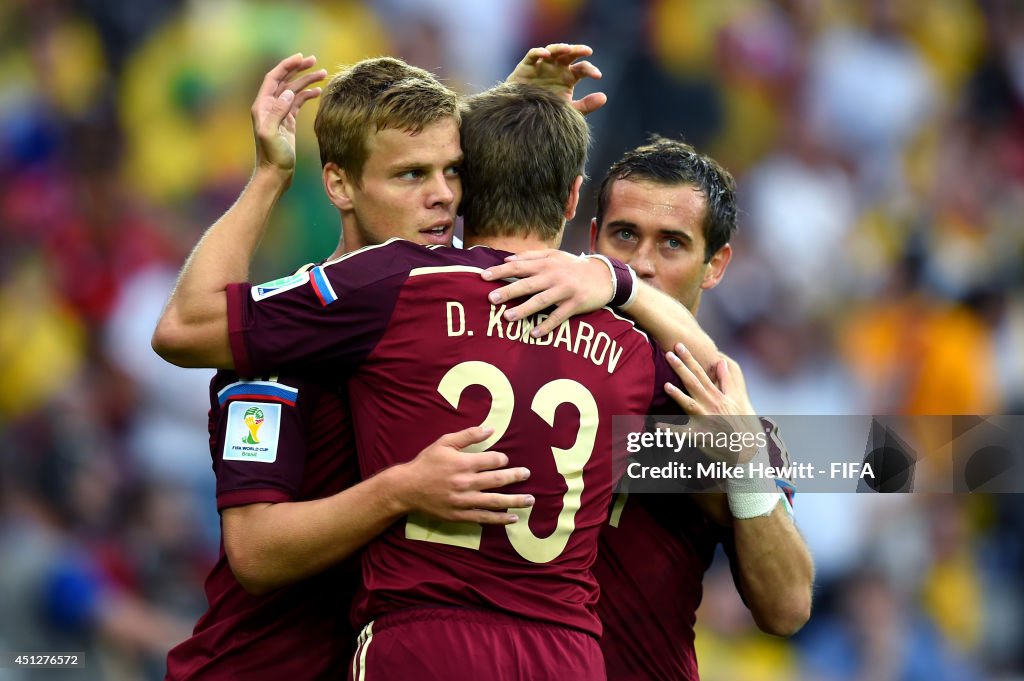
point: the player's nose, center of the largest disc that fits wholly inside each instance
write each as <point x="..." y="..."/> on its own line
<point x="441" y="191"/>
<point x="643" y="264"/>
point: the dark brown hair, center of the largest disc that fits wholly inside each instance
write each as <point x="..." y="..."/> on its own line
<point x="670" y="162"/>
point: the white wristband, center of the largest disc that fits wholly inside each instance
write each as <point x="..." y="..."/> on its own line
<point x="752" y="496"/>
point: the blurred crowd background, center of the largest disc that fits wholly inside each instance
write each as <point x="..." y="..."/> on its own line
<point x="879" y="150"/>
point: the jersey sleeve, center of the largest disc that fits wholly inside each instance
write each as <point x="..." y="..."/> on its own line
<point x="326" y="319"/>
<point x="779" y="458"/>
<point x="258" y="438"/>
<point x="661" y="402"/>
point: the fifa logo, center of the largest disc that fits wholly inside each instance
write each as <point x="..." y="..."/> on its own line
<point x="253" y="420"/>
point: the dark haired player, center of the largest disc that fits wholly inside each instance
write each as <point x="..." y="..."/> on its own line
<point x="669" y="212"/>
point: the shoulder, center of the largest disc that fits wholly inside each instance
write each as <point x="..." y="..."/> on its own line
<point x="388" y="266"/>
<point x="398" y="256"/>
<point x="391" y="257"/>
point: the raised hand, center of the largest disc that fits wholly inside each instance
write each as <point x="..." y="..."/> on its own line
<point x="555" y="68"/>
<point x="283" y="92"/>
<point x="722" y="405"/>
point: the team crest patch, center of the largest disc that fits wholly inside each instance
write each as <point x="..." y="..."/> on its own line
<point x="279" y="285"/>
<point x="253" y="431"/>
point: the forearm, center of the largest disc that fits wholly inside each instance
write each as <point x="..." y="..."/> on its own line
<point x="272" y="545"/>
<point x="669" y="322"/>
<point x="776" y="571"/>
<point x="193" y="329"/>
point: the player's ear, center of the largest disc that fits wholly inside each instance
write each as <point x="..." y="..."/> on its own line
<point x="593" y="235"/>
<point x="715" y="269"/>
<point x="338" y="186"/>
<point x="574" y="198"/>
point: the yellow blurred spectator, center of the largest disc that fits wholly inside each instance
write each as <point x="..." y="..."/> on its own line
<point x="684" y="32"/>
<point x="919" y="356"/>
<point x="950" y="35"/>
<point x="951" y="590"/>
<point x="729" y="646"/>
<point x="71" y="68"/>
<point x="186" y="90"/>
<point x="42" y="342"/>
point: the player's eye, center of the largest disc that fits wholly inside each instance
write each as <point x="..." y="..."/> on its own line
<point x="673" y="244"/>
<point x="626" y="235"/>
<point x="412" y="174"/>
<point x="453" y="171"/>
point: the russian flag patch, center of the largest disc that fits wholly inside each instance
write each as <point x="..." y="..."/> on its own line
<point x="266" y="391"/>
<point x="322" y="286"/>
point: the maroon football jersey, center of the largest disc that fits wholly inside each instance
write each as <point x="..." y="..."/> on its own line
<point x="651" y="562"/>
<point x="431" y="356"/>
<point x="274" y="441"/>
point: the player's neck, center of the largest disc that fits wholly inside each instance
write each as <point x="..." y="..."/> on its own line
<point x="514" y="244"/>
<point x="342" y="249"/>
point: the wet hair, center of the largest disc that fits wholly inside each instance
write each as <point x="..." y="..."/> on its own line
<point x="672" y="162"/>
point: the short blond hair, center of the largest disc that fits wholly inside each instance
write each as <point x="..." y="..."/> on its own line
<point x="370" y="96"/>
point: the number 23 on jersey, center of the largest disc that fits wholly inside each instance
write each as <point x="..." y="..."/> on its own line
<point x="568" y="462"/>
